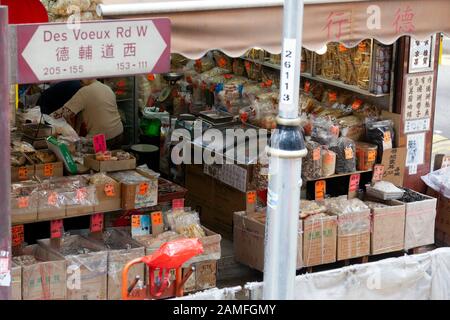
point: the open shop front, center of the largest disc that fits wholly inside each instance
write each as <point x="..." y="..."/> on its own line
<point x="367" y="99"/>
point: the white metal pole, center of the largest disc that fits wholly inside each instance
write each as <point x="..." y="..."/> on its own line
<point x="5" y="161"/>
<point x="285" y="151"/>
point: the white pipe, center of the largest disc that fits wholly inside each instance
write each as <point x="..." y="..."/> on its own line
<point x="129" y="8"/>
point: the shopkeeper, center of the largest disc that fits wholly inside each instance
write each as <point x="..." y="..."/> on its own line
<point x="93" y="110"/>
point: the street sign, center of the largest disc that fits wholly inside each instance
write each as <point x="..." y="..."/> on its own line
<point x="59" y="51"/>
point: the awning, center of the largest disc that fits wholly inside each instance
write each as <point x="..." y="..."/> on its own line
<point x="199" y="26"/>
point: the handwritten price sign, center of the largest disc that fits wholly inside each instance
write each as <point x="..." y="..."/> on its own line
<point x="56" y="229"/>
<point x="48" y="170"/>
<point x="320" y="190"/>
<point x="157" y="218"/>
<point x="97" y="222"/>
<point x="17" y="233"/>
<point x="110" y="191"/>
<point x="99" y="142"/>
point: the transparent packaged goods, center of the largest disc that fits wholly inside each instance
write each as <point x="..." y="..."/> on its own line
<point x="347" y="70"/>
<point x="328" y="162"/>
<point x="312" y="166"/>
<point x="324" y="131"/>
<point x="362" y="61"/>
<point x="329" y="63"/>
<point x="380" y="133"/>
<point x="345" y="155"/>
<point x="185" y="222"/>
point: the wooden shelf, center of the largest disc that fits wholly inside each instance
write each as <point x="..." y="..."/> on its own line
<point x="337" y="175"/>
<point x="334" y="83"/>
<point x="62" y="218"/>
<point x="340" y="84"/>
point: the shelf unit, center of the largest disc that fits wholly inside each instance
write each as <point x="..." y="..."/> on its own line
<point x="337" y="175"/>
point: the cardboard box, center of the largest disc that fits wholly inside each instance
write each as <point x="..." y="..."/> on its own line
<point x="49" y="170"/>
<point x="49" y="210"/>
<point x="211" y="198"/>
<point x="86" y="273"/>
<point x="45" y="280"/>
<point x="211" y="247"/>
<point x="76" y="207"/>
<point x="24" y="208"/>
<point x="388" y="228"/>
<point x="132" y="190"/>
<point x="319" y="240"/>
<point x="420" y="222"/>
<point x="22" y="173"/>
<point x="121" y="250"/>
<point x="249" y="235"/>
<point x="108" y="201"/>
<point x="353" y="231"/>
<point x="204" y="277"/>
<point x="16" y="282"/>
<point x="109" y="166"/>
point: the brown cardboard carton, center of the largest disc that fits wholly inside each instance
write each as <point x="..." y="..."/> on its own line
<point x="319" y="240"/>
<point x="211" y="247"/>
<point x="21" y="214"/>
<point x="204" y="276"/>
<point x="22" y="173"/>
<point x="249" y="234"/>
<point x="388" y="228"/>
<point x="49" y="209"/>
<point x="16" y="282"/>
<point x="48" y="170"/>
<point x="108" y="200"/>
<point x="86" y="272"/>
<point x="121" y="250"/>
<point x="45" y="280"/>
<point x="353" y="235"/>
<point x="109" y="166"/>
<point x="76" y="207"/>
<point x="420" y="222"/>
<point x="137" y="191"/>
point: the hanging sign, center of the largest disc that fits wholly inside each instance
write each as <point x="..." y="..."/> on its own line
<point x="59" y="51"/>
<point x="320" y="190"/>
<point x="56" y="229"/>
<point x="99" y="142"/>
<point x="97" y="222"/>
<point x="17" y="235"/>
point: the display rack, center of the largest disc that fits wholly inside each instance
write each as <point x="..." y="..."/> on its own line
<point x="337" y="175"/>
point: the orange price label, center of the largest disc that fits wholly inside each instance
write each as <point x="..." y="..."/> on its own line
<point x="23" y="202"/>
<point x="332" y="97"/>
<point x="135" y="221"/>
<point x="48" y="170"/>
<point x="348" y="153"/>
<point x="371" y="155"/>
<point x="157" y="218"/>
<point x="328" y="158"/>
<point x="334" y="130"/>
<point x="17" y="234"/>
<point x="23" y="173"/>
<point x="251" y="197"/>
<point x="222" y="62"/>
<point x="97" y="222"/>
<point x="378" y="172"/>
<point x="354" y="182"/>
<point x="316" y="154"/>
<point x="356" y="104"/>
<point x="342" y="48"/>
<point x="150" y="77"/>
<point x="110" y="191"/>
<point x="81" y="194"/>
<point x="320" y="190"/>
<point x="387" y="136"/>
<point x="143" y="188"/>
<point x="362" y="46"/>
<point x="56" y="229"/>
<point x="52" y="199"/>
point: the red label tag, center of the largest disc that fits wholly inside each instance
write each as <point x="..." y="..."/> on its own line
<point x="97" y="222"/>
<point x="23" y="173"/>
<point x="157" y="218"/>
<point x="23" y="202"/>
<point x="177" y="204"/>
<point x="150" y="77"/>
<point x="357" y="104"/>
<point x="99" y="142"/>
<point x="110" y="191"/>
<point x="342" y="48"/>
<point x="48" y="170"/>
<point x="354" y="182"/>
<point x="320" y="190"/>
<point x="332" y="97"/>
<point x="378" y="172"/>
<point x="56" y="229"/>
<point x="17" y="235"/>
<point x="222" y="62"/>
